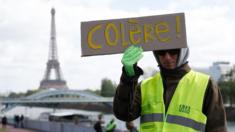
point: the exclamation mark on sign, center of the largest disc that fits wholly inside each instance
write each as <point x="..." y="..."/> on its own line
<point x="177" y="27"/>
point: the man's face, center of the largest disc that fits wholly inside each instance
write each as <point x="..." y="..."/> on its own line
<point x="168" y="58"/>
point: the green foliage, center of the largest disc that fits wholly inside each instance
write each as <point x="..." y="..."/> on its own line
<point x="108" y="88"/>
<point x="30" y="92"/>
<point x="228" y="91"/>
<point x="97" y="91"/>
<point x="15" y="95"/>
<point x="27" y="93"/>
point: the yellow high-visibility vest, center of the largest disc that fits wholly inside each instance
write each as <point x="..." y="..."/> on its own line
<point x="184" y="113"/>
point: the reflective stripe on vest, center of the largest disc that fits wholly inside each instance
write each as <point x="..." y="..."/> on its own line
<point x="186" y="122"/>
<point x="151" y="118"/>
<point x="173" y="119"/>
<point x="184" y="113"/>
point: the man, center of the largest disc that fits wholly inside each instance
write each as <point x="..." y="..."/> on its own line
<point x="4" y="122"/>
<point x="177" y="99"/>
<point x="98" y="124"/>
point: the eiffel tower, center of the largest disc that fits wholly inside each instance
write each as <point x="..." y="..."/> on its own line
<point x="53" y="63"/>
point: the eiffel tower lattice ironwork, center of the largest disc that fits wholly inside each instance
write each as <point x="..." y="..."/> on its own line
<point x="53" y="63"/>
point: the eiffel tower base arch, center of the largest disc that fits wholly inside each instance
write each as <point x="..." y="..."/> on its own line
<point x="57" y="84"/>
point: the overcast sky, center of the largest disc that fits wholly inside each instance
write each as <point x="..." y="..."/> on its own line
<point x="25" y="33"/>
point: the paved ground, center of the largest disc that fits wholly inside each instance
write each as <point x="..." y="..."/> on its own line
<point x="12" y="129"/>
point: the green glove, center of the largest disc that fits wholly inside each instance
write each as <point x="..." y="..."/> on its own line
<point x="131" y="56"/>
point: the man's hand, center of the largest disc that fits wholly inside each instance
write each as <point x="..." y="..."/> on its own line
<point x="131" y="56"/>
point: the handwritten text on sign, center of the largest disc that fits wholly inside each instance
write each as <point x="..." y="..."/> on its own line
<point x="152" y="33"/>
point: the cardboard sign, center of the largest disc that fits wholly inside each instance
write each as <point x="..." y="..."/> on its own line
<point x="151" y="32"/>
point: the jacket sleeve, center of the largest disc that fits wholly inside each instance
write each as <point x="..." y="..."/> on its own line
<point x="214" y="109"/>
<point x="127" y="99"/>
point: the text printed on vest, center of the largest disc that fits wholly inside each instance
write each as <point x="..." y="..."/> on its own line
<point x="184" y="108"/>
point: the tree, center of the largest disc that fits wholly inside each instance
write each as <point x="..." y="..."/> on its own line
<point x="227" y="85"/>
<point x="107" y="88"/>
<point x="30" y="92"/>
<point x="228" y="91"/>
<point x="14" y="95"/>
<point x="22" y="94"/>
<point x="97" y="91"/>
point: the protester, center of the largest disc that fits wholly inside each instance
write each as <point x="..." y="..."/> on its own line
<point x="98" y="124"/>
<point x="176" y="99"/>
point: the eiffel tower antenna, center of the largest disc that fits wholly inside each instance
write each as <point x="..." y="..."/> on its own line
<point x="53" y="63"/>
